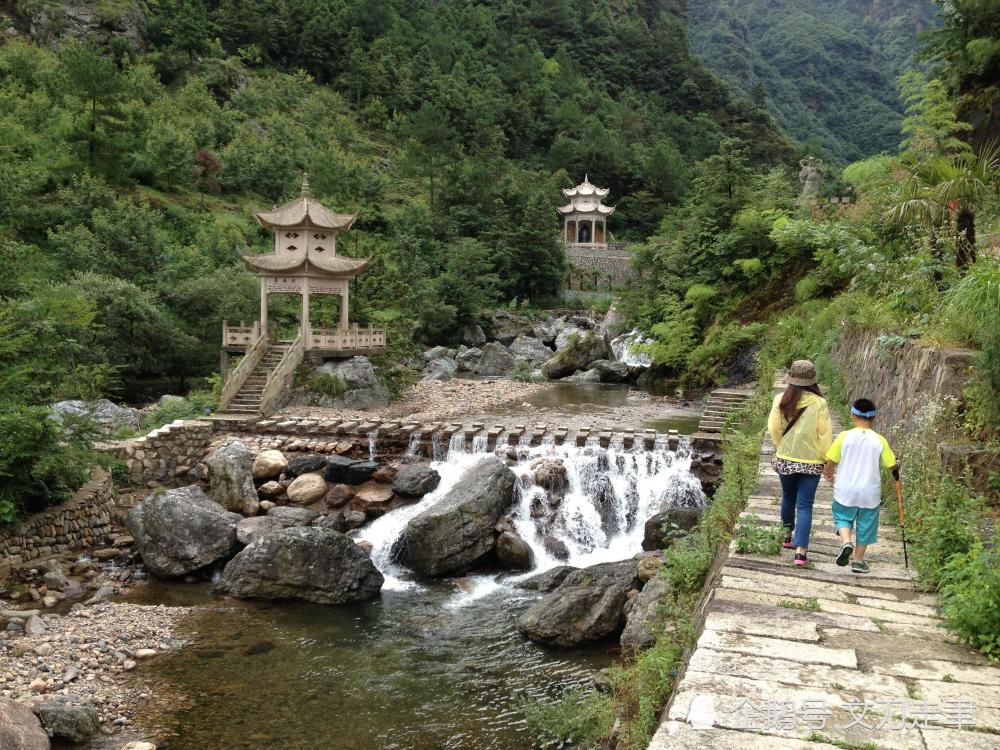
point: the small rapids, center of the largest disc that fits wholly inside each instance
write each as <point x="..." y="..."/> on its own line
<point x="592" y="509"/>
<point x="623" y="348"/>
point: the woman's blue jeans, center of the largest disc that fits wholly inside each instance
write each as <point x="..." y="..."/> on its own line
<point x="798" y="491"/>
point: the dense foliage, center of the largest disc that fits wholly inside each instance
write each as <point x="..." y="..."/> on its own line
<point x="826" y="69"/>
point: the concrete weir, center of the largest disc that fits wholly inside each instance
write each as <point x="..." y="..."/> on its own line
<point x="796" y="659"/>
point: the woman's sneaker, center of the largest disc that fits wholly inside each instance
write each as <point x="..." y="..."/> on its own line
<point x="860" y="566"/>
<point x="787" y="544"/>
<point x="800" y="559"/>
<point x="846" y="550"/>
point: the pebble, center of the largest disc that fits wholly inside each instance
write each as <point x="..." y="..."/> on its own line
<point x="145" y="653"/>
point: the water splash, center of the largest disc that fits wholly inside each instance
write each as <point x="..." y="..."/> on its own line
<point x="623" y="348"/>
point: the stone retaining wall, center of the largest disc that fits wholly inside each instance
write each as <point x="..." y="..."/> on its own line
<point x="900" y="380"/>
<point x="167" y="452"/>
<point x="80" y="522"/>
<point x="604" y="270"/>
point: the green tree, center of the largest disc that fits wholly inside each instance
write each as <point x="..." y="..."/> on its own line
<point x="94" y="78"/>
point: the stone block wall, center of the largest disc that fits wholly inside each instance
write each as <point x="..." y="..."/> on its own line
<point x="900" y="380"/>
<point x="602" y="269"/>
<point x="80" y="522"/>
<point x="165" y="453"/>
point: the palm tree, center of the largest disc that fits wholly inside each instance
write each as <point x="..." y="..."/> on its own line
<point x="965" y="183"/>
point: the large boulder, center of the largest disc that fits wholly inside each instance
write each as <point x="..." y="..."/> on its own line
<point x="311" y="563"/>
<point x="579" y="351"/>
<point x="546" y="330"/>
<point x="611" y="371"/>
<point x="472" y="335"/>
<point x="341" y="470"/>
<point x="181" y="530"/>
<point x="468" y="359"/>
<point x="528" y="349"/>
<point x="363" y="389"/>
<point x="643" y="612"/>
<point x="566" y="336"/>
<point x="250" y="528"/>
<point x="495" y="360"/>
<point x="507" y="327"/>
<point x="458" y="531"/>
<point x="414" y="480"/>
<point x="584" y="376"/>
<point x="268" y="464"/>
<point x="436" y="352"/>
<point x="443" y="368"/>
<point x="19" y="728"/>
<point x="663" y="528"/>
<point x="307" y="464"/>
<point x="106" y="415"/>
<point x="307" y="488"/>
<point x="587" y="606"/>
<point x="289" y="516"/>
<point x="513" y="552"/>
<point x="548" y="581"/>
<point x="67" y="717"/>
<point x="231" y="481"/>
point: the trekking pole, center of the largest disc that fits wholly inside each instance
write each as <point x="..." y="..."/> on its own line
<point x="902" y="524"/>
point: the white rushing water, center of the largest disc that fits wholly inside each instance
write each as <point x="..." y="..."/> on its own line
<point x="623" y="348"/>
<point x="597" y="516"/>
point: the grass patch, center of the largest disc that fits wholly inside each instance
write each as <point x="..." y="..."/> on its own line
<point x="327" y="384"/>
<point x="525" y="372"/>
<point x="756" y="538"/>
<point x="577" y="718"/>
<point x="807" y="605"/>
<point x="880" y="624"/>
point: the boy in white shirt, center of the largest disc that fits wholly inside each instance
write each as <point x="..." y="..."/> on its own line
<point x="859" y="455"/>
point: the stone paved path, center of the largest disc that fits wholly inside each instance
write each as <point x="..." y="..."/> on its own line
<point x="823" y="658"/>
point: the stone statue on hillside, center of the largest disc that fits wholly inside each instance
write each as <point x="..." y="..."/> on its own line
<point x="811" y="177"/>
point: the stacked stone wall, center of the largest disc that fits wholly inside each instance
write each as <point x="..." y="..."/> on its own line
<point x="165" y="453"/>
<point x="81" y="522"/>
<point x="602" y="270"/>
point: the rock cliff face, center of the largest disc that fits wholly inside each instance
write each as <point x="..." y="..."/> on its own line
<point x="53" y="22"/>
<point x="901" y="380"/>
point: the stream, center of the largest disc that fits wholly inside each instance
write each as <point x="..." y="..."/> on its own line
<point x="429" y="664"/>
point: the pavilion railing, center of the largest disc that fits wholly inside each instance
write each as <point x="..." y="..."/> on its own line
<point x="282" y="375"/>
<point x="255" y="353"/>
<point x="346" y="339"/>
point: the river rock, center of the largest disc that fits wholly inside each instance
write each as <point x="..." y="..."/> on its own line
<point x="107" y="416"/>
<point x="457" y="532"/>
<point x="472" y="335"/>
<point x="584" y="376"/>
<point x="373" y="497"/>
<point x="307" y="488"/>
<point x="587" y="606"/>
<point x="341" y="470"/>
<point x="354" y="519"/>
<point x="289" y="516"/>
<point x="663" y="528"/>
<point x="67" y="717"/>
<point x="440" y="369"/>
<point x="414" y="480"/>
<point x="566" y="336"/>
<point x="468" y="360"/>
<point x="308" y="464"/>
<point x="339" y="494"/>
<point x="271" y="489"/>
<point x="611" y="371"/>
<point x="333" y="521"/>
<point x="531" y="350"/>
<point x="547" y="581"/>
<point x="20" y="729"/>
<point x="648" y="565"/>
<point x="231" y="481"/>
<point x="437" y="352"/>
<point x="507" y="327"/>
<point x="181" y="530"/>
<point x="364" y="391"/>
<point x="642" y="614"/>
<point x="268" y="464"/>
<point x="250" y="528"/>
<point x="555" y="547"/>
<point x="514" y="553"/>
<point x="310" y="563"/>
<point x="547" y="330"/>
<point x="579" y="350"/>
<point x="385" y="474"/>
<point x="495" y="360"/>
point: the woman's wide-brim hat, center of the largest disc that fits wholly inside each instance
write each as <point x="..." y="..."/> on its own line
<point x="802" y="372"/>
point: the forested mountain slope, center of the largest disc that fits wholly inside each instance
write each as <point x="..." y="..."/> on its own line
<point x="826" y="69"/>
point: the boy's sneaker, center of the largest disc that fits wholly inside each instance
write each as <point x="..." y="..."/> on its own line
<point x="846" y="550"/>
<point x="860" y="566"/>
<point x="800" y="559"/>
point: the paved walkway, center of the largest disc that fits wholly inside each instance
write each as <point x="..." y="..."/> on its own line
<point x="823" y="658"/>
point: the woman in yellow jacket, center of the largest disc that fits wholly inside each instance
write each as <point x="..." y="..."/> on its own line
<point x="802" y="432"/>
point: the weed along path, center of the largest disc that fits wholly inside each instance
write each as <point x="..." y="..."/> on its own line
<point x="823" y="658"/>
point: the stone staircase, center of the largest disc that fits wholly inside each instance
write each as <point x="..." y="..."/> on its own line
<point x="721" y="403"/>
<point x="247" y="400"/>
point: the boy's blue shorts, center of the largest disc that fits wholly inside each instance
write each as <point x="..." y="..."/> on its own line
<point x="866" y="520"/>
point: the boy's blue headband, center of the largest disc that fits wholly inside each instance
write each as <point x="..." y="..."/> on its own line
<point x="863" y="414"/>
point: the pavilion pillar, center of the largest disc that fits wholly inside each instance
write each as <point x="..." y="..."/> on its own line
<point x="344" y="322"/>
<point x="306" y="329"/>
<point x="263" y="305"/>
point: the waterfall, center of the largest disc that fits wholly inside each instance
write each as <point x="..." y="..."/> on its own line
<point x="414" y="445"/>
<point x="596" y="514"/>
<point x="372" y="445"/>
<point x="622" y="348"/>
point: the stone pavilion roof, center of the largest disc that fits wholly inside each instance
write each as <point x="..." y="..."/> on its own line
<point x="586" y="199"/>
<point x="305" y="211"/>
<point x="338" y="265"/>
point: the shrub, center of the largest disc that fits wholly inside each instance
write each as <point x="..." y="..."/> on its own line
<point x="970" y="597"/>
<point x="327" y="384"/>
<point x="524" y="372"/>
<point x="577" y="718"/>
<point x="755" y="538"/>
<point x="197" y="404"/>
